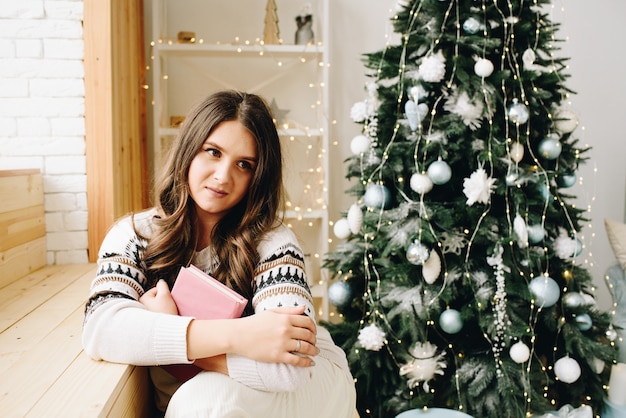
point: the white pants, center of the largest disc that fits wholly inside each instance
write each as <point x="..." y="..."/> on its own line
<point x="330" y="394"/>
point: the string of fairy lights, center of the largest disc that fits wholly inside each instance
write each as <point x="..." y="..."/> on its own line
<point x="516" y="142"/>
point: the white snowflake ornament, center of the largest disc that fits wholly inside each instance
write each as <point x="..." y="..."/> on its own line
<point x="478" y="187"/>
<point x="426" y="363"/>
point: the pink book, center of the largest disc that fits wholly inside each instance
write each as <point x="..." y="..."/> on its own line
<point x="199" y="295"/>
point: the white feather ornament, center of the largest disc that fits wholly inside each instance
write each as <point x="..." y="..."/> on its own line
<point x="355" y="218"/>
<point x="521" y="231"/>
<point x="431" y="268"/>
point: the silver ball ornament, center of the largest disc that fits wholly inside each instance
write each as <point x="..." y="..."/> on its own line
<point x="518" y="113"/>
<point x="567" y="369"/>
<point x="417" y="253"/>
<point x="421" y="183"/>
<point x="450" y="321"/>
<point x="471" y="26"/>
<point x="545" y="290"/>
<point x="439" y="172"/>
<point x="377" y="196"/>
<point x="550" y="148"/>
<point x="340" y="294"/>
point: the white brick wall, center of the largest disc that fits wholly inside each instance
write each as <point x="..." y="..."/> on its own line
<point x="42" y="107"/>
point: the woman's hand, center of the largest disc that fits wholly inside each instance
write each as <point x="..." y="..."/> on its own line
<point x="159" y="299"/>
<point x="282" y="335"/>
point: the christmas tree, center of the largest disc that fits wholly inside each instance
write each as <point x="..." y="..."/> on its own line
<point x="457" y="277"/>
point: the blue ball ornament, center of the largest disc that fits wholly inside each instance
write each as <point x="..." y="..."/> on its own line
<point x="340" y="294"/>
<point x="566" y="180"/>
<point x="377" y="196"/>
<point x="545" y="290"/>
<point x="450" y="321"/>
<point x="439" y="172"/>
<point x="550" y="148"/>
<point x="584" y="322"/>
<point x="536" y="233"/>
<point x="573" y="299"/>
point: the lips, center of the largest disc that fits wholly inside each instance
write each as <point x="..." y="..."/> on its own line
<point x="215" y="191"/>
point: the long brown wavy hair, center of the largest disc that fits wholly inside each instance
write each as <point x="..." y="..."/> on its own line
<point x="235" y="238"/>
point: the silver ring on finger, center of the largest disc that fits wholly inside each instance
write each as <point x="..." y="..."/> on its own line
<point x="298" y="345"/>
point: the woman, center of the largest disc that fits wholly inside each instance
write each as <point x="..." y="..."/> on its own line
<point x="218" y="204"/>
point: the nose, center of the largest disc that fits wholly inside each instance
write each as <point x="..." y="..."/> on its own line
<point x="221" y="173"/>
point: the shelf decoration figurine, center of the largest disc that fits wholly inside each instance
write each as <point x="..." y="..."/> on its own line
<point x="304" y="33"/>
<point x="185" y="37"/>
<point x="271" y="32"/>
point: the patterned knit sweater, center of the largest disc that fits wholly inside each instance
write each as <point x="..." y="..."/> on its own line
<point x="119" y="329"/>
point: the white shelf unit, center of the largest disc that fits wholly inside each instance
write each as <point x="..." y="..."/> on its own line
<point x="228" y="52"/>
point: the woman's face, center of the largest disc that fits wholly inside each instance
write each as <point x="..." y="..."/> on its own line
<point x="220" y="174"/>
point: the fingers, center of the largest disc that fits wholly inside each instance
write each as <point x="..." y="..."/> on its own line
<point x="162" y="287"/>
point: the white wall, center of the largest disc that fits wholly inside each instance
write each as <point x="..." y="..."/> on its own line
<point x="596" y="46"/>
<point x="42" y="113"/>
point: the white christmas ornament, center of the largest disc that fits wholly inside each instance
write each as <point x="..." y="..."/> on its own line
<point x="433" y="68"/>
<point x="565" y="121"/>
<point x="424" y="365"/>
<point x="415" y="113"/>
<point x="432" y="267"/>
<point x="371" y="337"/>
<point x="342" y="228"/>
<point x="567" y="369"/>
<point x="478" y="187"/>
<point x="360" y="144"/>
<point x="519" y="352"/>
<point x="483" y="67"/>
<point x="516" y="152"/>
<point x="519" y="226"/>
<point x="439" y="172"/>
<point x="355" y="218"/>
<point x="421" y="183"/>
<point x="416" y="93"/>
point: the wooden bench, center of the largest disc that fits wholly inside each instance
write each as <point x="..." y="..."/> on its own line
<point x="43" y="367"/>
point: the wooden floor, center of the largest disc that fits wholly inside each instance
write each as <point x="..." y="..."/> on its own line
<point x="43" y="367"/>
